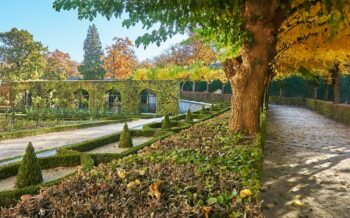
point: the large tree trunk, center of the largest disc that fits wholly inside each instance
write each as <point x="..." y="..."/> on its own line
<point x="335" y="74"/>
<point x="249" y="74"/>
<point x="326" y="91"/>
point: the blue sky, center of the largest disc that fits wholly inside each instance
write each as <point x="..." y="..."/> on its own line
<point x="64" y="31"/>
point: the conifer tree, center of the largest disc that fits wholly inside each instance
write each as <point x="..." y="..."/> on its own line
<point x="166" y="122"/>
<point x="29" y="172"/>
<point x="91" y="68"/>
<point x="125" y="140"/>
<point x="189" y="117"/>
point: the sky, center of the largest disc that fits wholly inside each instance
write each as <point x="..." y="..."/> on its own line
<point x="64" y="31"/>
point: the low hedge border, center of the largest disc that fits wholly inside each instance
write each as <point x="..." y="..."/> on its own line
<point x="45" y="163"/>
<point x="24" y="133"/>
<point x="338" y="112"/>
<point x="70" y="156"/>
<point x="108" y="157"/>
<point x="176" y="126"/>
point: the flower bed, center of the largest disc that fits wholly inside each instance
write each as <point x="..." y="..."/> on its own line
<point x="202" y="171"/>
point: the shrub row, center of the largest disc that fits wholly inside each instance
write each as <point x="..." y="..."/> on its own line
<point x="338" y="112"/>
<point x="24" y="133"/>
<point x="45" y="163"/>
<point x="108" y="157"/>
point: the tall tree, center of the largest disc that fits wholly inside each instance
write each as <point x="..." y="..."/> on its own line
<point x="251" y="24"/>
<point x="91" y="68"/>
<point x="22" y="58"/>
<point x="58" y="66"/>
<point x="120" y="60"/>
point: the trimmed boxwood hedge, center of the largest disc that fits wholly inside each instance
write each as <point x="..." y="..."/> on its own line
<point x="45" y="163"/>
<point x="175" y="126"/>
<point x="32" y="132"/>
<point x="71" y="156"/>
<point x="108" y="157"/>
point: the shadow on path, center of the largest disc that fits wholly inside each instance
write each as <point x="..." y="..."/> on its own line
<point x="307" y="158"/>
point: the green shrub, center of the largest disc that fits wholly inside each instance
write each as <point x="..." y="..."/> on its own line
<point x="166" y="122"/>
<point x="87" y="162"/>
<point x="203" y="110"/>
<point x="29" y="172"/>
<point x="189" y="117"/>
<point x="125" y="140"/>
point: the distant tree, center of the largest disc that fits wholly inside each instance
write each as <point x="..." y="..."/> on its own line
<point x="91" y="68"/>
<point x="186" y="53"/>
<point x="120" y="60"/>
<point x="29" y="172"/>
<point x="58" y="66"/>
<point x="21" y="57"/>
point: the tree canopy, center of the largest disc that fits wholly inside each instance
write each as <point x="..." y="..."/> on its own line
<point x="21" y="57"/>
<point x="120" y="60"/>
<point x="59" y="66"/>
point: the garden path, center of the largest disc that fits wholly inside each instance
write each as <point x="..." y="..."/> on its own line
<point x="15" y="147"/>
<point x="306" y="165"/>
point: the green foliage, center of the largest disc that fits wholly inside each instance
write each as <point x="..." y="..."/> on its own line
<point x="91" y="68"/>
<point x="125" y="140"/>
<point x="222" y="20"/>
<point x="189" y="117"/>
<point x="23" y="57"/>
<point x="167" y="94"/>
<point x="29" y="172"/>
<point x="166" y="122"/>
<point x="203" y="110"/>
<point x="87" y="162"/>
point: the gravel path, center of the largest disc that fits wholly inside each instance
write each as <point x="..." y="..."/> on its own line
<point x="48" y="175"/>
<point x="16" y="147"/>
<point x="113" y="147"/>
<point x="306" y="165"/>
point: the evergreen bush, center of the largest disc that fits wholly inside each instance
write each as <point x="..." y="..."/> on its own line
<point x="125" y="140"/>
<point x="203" y="111"/>
<point x="166" y="122"/>
<point x="29" y="172"/>
<point x="189" y="117"/>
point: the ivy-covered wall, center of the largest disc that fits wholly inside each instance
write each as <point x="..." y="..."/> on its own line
<point x="167" y="93"/>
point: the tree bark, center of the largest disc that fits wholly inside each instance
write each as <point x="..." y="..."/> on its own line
<point x="249" y="74"/>
<point x="207" y="86"/>
<point x="335" y="74"/>
<point x="193" y="86"/>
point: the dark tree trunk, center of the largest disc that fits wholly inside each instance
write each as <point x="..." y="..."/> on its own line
<point x="335" y="74"/>
<point x="223" y="88"/>
<point x="249" y="74"/>
<point x="315" y="89"/>
<point x="326" y="92"/>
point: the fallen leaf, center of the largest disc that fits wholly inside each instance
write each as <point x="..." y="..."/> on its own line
<point x="154" y="189"/>
<point x="298" y="203"/>
<point x="121" y="173"/>
<point x="206" y="211"/>
<point x="137" y="182"/>
<point x="245" y="193"/>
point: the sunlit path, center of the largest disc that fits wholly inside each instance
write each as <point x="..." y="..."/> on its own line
<point x="307" y="158"/>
